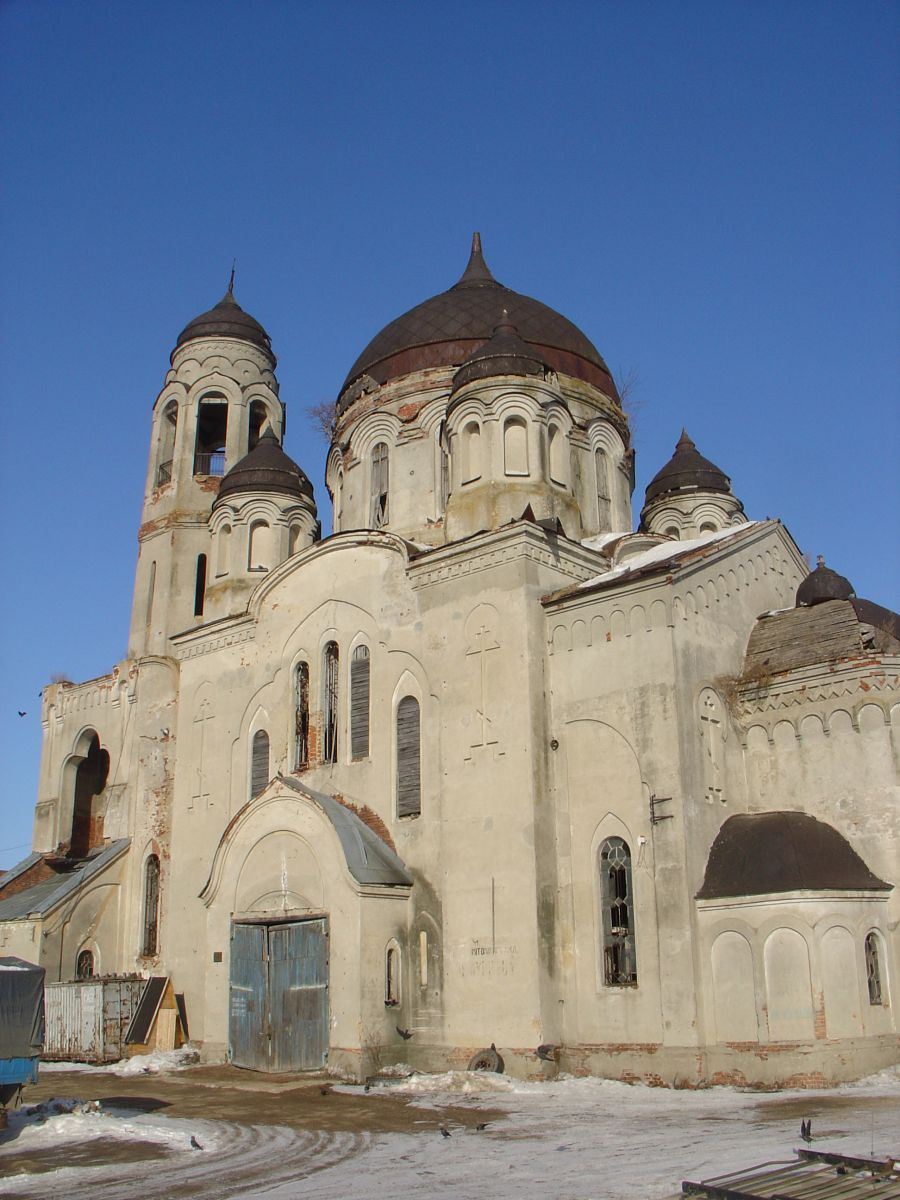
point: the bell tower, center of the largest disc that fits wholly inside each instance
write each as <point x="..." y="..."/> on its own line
<point x="219" y="396"/>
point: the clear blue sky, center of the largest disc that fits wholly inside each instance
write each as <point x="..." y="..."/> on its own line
<point x="709" y="190"/>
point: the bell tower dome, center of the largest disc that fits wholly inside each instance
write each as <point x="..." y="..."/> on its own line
<point x="218" y="397"/>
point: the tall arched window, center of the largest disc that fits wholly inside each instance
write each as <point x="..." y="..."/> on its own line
<point x="359" y="703"/>
<point x="84" y="965"/>
<point x="392" y="977"/>
<point x="90" y="780"/>
<point x="380" y="482"/>
<point x="294" y="535"/>
<point x="150" y="941"/>
<point x="200" y="586"/>
<point x="330" y="703"/>
<point x="259" y="762"/>
<point x="409" y="758"/>
<point x="873" y="970"/>
<point x="470" y="451"/>
<point x="151" y="590"/>
<point x="301" y="716"/>
<point x="617" y="913"/>
<point x="604" y="503"/>
<point x="167" y="429"/>
<point x="256" y="420"/>
<point x="212" y="431"/>
<point x="558" y="455"/>
<point x="515" y="447"/>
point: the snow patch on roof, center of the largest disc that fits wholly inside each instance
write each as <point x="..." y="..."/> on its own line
<point x="657" y="555"/>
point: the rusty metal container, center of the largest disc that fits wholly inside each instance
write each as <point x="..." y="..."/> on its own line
<point x="86" y="1019"/>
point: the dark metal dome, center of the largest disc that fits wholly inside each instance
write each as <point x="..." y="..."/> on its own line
<point x="227" y="319"/>
<point x="504" y="353"/>
<point x="823" y="584"/>
<point x="443" y="332"/>
<point x="756" y="854"/>
<point x="265" y="469"/>
<point x="687" y="469"/>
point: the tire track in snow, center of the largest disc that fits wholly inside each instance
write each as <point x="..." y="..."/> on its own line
<point x="237" y="1160"/>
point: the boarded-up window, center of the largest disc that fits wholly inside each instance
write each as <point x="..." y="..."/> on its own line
<point x="392" y="977"/>
<point x="301" y="716"/>
<point x="200" y="586"/>
<point x="873" y="969"/>
<point x="515" y="447"/>
<point x="151" y="589"/>
<point x="604" y="507"/>
<point x="359" y="702"/>
<point x="330" y="704"/>
<point x="409" y="755"/>
<point x="150" y="943"/>
<point x="617" y="911"/>
<point x="294" y="536"/>
<point x="259" y="762"/>
<point x="380" y="481"/>
<point x="558" y="455"/>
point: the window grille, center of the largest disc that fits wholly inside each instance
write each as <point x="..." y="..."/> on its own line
<point x="359" y="702"/>
<point x="330" y="705"/>
<point x="409" y="766"/>
<point x="301" y="716"/>
<point x="151" y="906"/>
<point x="259" y="763"/>
<point x="616" y="901"/>
<point x="380" y="480"/>
<point x="873" y="969"/>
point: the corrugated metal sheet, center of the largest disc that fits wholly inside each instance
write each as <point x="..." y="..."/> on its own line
<point x="86" y="1020"/>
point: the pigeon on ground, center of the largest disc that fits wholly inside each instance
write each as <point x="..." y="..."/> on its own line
<point x="806" y="1131"/>
<point x="445" y="1132"/>
<point x="482" y="1125"/>
<point x="195" y="1145"/>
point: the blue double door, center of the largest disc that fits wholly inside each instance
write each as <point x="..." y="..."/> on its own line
<point x="278" y="995"/>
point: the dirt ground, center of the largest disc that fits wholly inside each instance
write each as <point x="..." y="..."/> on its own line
<point x="222" y="1093"/>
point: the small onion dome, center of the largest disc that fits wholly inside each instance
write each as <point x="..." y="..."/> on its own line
<point x="823" y="584"/>
<point x="687" y="470"/>
<point x="760" y="853"/>
<point x="265" y="469"/>
<point x="504" y="353"/>
<point x="227" y="319"/>
<point x="444" y="330"/>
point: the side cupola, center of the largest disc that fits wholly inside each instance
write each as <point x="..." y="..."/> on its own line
<point x="265" y="512"/>
<point x="219" y="394"/>
<point x="472" y="407"/>
<point x="689" y="496"/>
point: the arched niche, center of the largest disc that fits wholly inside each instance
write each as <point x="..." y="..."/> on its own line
<point x="280" y="873"/>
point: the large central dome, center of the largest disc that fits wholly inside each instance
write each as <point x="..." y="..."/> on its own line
<point x="443" y="331"/>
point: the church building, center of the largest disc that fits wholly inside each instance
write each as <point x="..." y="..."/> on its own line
<point x="494" y="765"/>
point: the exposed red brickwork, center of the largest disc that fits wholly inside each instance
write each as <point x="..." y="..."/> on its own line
<point x="370" y="818"/>
<point x="819" y="1020"/>
<point x="35" y="874"/>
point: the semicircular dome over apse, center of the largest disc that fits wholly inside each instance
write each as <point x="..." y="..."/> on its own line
<point x="444" y="330"/>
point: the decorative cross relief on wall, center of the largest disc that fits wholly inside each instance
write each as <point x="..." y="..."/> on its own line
<point x="202" y="737"/>
<point x="713" y="731"/>
<point x="481" y="642"/>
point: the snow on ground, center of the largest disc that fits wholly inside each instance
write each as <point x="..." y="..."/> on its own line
<point x="572" y="1139"/>
<point x="158" y="1061"/>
